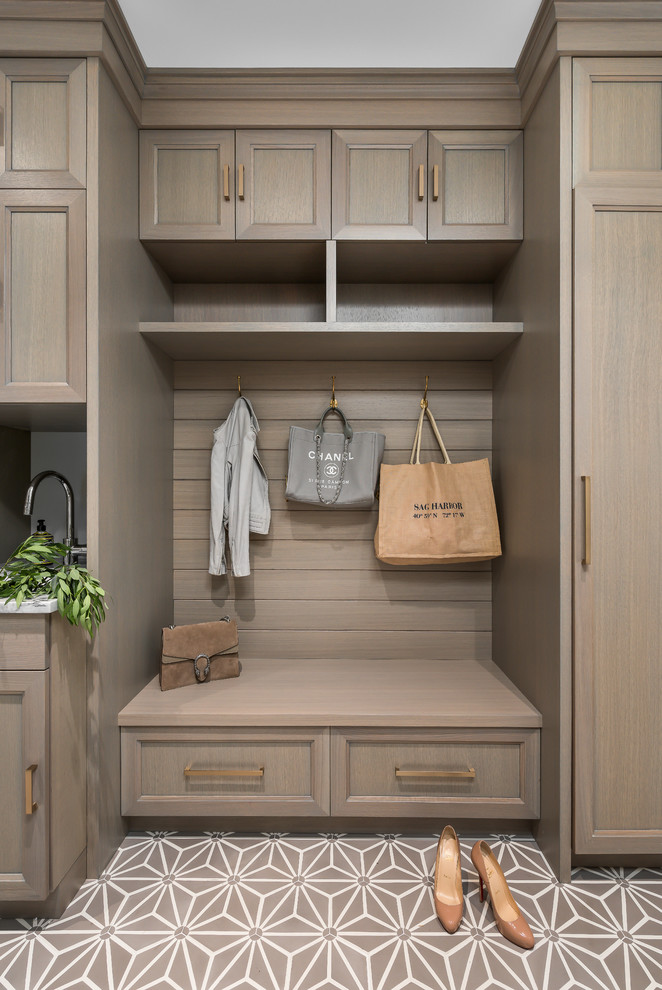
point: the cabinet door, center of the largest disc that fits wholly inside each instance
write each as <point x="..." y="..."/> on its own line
<point x="42" y="268"/>
<point x="475" y="185"/>
<point x="42" y="101"/>
<point x="617" y="121"/>
<point x="24" y="773"/>
<point x="618" y="537"/>
<point x="283" y="185"/>
<point x="187" y="185"/>
<point x="379" y="187"/>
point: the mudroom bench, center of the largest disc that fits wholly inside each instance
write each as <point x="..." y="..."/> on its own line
<point x="304" y="738"/>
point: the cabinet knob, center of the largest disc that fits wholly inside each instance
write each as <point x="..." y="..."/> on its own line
<point x="240" y="182"/>
<point x="30" y="805"/>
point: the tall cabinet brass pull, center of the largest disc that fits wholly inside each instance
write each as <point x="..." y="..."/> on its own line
<point x="190" y="772"/>
<point x="30" y="805"/>
<point x="421" y="181"/>
<point x="240" y="182"/>
<point x="226" y="181"/>
<point x="456" y="774"/>
<point x="435" y="182"/>
<point x="586" y="559"/>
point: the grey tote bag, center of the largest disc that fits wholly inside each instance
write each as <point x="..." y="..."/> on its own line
<point x="338" y="470"/>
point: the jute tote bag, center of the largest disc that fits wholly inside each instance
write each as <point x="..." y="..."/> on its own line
<point x="436" y="513"/>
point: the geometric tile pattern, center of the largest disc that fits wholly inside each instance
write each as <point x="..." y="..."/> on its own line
<point x="274" y="911"/>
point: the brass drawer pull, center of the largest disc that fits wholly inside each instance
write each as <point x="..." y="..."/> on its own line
<point x="190" y="772"/>
<point x="456" y="774"/>
<point x="30" y="805"/>
<point x="240" y="182"/>
<point x="226" y="182"/>
<point x="586" y="559"/>
<point x="421" y="181"/>
<point x="435" y="182"/>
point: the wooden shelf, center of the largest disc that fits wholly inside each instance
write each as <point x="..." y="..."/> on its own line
<point x="451" y="693"/>
<point x="335" y="341"/>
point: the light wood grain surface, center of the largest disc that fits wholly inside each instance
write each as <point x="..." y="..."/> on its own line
<point x="618" y="635"/>
<point x="532" y="443"/>
<point x="43" y="104"/>
<point x="393" y="692"/>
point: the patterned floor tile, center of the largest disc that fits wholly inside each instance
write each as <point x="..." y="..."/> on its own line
<point x="218" y="911"/>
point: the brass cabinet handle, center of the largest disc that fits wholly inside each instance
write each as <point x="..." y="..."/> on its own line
<point x="226" y="181"/>
<point x="190" y="772"/>
<point x="435" y="182"/>
<point x="30" y="805"/>
<point x="240" y="182"/>
<point x="421" y="181"/>
<point x="586" y="559"/>
<point x="457" y="774"/>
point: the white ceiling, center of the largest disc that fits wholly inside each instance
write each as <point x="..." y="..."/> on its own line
<point x="333" y="34"/>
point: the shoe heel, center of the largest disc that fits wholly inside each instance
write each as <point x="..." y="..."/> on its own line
<point x="482" y="893"/>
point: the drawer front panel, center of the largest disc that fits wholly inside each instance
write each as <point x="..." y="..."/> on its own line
<point x="236" y="771"/>
<point x="417" y="772"/>
<point x="24" y="642"/>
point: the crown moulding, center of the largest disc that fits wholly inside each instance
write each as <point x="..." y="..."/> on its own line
<point x="163" y="97"/>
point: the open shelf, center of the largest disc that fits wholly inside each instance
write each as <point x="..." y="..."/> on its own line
<point x="334" y="341"/>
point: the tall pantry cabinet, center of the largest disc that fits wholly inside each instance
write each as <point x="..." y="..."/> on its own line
<point x="617" y="486"/>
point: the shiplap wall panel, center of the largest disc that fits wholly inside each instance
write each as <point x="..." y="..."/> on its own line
<point x="316" y="589"/>
<point x="194" y="465"/>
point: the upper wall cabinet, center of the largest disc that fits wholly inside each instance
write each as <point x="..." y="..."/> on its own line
<point x="618" y="121"/>
<point x="283" y="185"/>
<point x="43" y="293"/>
<point x="379" y="185"/>
<point x="187" y="185"/>
<point x="193" y="187"/>
<point x="43" y="105"/>
<point x="475" y="185"/>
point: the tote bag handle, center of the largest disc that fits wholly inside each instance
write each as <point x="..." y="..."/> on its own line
<point x="416" y="449"/>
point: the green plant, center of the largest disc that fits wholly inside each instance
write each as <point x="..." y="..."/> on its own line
<point x="37" y="568"/>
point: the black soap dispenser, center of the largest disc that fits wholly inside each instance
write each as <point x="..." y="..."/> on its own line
<point x="41" y="533"/>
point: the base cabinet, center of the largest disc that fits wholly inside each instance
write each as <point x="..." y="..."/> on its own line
<point x="42" y="770"/>
<point x="24" y="860"/>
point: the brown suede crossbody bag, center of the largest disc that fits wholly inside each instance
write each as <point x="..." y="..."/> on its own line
<point x="205" y="651"/>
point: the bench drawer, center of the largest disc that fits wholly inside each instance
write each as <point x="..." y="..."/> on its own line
<point x="430" y="772"/>
<point x="237" y="771"/>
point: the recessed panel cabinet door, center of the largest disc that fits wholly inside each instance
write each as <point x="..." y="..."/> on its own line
<point x="618" y="120"/>
<point x="187" y="185"/>
<point x="43" y="283"/>
<point x="475" y="185"/>
<point x="379" y="185"/>
<point x="23" y="785"/>
<point x="283" y="182"/>
<point x="618" y="508"/>
<point x="42" y="101"/>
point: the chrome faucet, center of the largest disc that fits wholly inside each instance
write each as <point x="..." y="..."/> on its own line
<point x="69" y="540"/>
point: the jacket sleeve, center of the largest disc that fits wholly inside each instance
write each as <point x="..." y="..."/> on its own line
<point x="219" y="507"/>
<point x="240" y="504"/>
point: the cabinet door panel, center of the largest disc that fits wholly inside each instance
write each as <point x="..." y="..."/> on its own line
<point x="286" y="184"/>
<point x="618" y="120"/>
<point x="475" y="180"/>
<point x="42" y="254"/>
<point x="23" y="733"/>
<point x="45" y="123"/>
<point x="618" y="444"/>
<point x="376" y="185"/>
<point x="187" y="185"/>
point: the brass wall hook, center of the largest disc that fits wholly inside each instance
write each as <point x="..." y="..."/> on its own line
<point x="424" y="400"/>
<point x="239" y="384"/>
<point x="334" y="402"/>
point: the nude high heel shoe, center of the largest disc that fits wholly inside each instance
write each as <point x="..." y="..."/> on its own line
<point x="448" y="881"/>
<point x="509" y="919"/>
